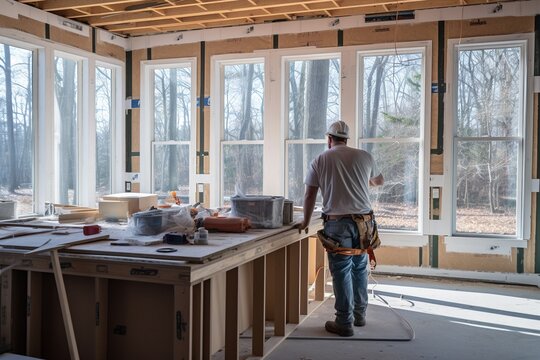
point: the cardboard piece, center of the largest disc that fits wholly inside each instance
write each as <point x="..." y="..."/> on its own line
<point x="136" y="201"/>
<point x="113" y="209"/>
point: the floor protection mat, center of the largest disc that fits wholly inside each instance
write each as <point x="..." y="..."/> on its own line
<point x="382" y="323"/>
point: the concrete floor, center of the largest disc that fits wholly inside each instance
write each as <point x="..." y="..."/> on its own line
<point x="451" y="320"/>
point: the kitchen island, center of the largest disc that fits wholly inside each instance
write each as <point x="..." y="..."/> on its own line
<point x="133" y="302"/>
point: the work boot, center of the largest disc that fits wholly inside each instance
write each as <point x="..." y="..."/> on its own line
<point x="341" y="330"/>
<point x="360" y="321"/>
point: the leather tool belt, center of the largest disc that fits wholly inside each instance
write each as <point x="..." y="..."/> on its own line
<point x="367" y="231"/>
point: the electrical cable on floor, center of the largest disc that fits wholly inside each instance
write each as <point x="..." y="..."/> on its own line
<point x="403" y="321"/>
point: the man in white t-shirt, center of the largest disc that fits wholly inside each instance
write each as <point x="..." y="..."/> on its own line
<point x="344" y="175"/>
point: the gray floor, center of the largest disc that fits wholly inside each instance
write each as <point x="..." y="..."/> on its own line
<point x="451" y="319"/>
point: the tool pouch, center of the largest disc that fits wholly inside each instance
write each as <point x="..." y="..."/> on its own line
<point x="327" y="242"/>
<point x="367" y="230"/>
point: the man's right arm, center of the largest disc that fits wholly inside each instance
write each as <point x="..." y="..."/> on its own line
<point x="377" y="180"/>
<point x="310" y="196"/>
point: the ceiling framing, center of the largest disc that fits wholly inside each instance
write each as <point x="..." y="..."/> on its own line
<point x="130" y="18"/>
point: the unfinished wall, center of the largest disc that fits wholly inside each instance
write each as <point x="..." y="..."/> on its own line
<point x="435" y="254"/>
<point x="60" y="36"/>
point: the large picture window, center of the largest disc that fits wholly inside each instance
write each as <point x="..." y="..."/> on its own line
<point x="16" y="127"/>
<point x="391" y="128"/>
<point x="313" y="103"/>
<point x="488" y="139"/>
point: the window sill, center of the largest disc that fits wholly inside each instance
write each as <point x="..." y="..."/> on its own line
<point x="483" y="245"/>
<point x="393" y="239"/>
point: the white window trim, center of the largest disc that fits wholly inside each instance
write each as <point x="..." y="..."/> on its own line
<point x="393" y="237"/>
<point x="147" y="121"/>
<point x="44" y="177"/>
<point x="474" y="243"/>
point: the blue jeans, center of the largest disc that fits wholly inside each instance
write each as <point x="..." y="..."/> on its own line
<point x="349" y="273"/>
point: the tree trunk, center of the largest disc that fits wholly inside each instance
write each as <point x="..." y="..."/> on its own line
<point x="12" y="181"/>
<point x="296" y="126"/>
<point x="68" y="131"/>
<point x="317" y="103"/>
<point x="245" y="166"/>
<point x="172" y="118"/>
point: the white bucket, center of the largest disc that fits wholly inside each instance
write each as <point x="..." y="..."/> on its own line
<point x="8" y="209"/>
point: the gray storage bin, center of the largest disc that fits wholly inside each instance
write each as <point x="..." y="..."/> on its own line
<point x="263" y="211"/>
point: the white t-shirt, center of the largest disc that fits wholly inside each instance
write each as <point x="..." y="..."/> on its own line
<point x="342" y="173"/>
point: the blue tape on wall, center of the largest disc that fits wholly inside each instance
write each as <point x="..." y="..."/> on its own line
<point x="135" y="103"/>
<point x="206" y="101"/>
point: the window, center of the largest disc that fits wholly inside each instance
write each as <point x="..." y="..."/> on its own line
<point x="391" y="128"/>
<point x="242" y="140"/>
<point x="16" y="127"/>
<point x="489" y="140"/>
<point x="167" y="141"/>
<point x="313" y="103"/>
<point x="66" y="119"/>
<point x="105" y="98"/>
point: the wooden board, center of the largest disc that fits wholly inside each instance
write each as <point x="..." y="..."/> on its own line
<point x="218" y="244"/>
<point x="46" y="242"/>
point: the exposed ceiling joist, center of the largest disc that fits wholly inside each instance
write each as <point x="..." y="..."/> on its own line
<point x="137" y="17"/>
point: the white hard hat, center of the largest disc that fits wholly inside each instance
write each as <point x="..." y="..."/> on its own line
<point x="339" y="129"/>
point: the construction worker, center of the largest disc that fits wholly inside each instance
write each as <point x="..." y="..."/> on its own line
<point x="344" y="175"/>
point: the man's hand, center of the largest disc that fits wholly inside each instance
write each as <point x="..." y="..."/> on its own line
<point x="303" y="225"/>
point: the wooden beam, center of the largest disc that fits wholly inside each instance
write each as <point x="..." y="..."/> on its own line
<point x="207" y="319"/>
<point x="64" y="305"/>
<point x="293" y="283"/>
<point x="197" y="322"/>
<point x="279" y="295"/>
<point x="320" y="274"/>
<point x="34" y="313"/>
<point x="182" y="322"/>
<point x="231" y="316"/>
<point x="259" y="301"/>
<point x="304" y="281"/>
<point x="102" y="316"/>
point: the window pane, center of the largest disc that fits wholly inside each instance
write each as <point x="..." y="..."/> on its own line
<point x="486" y="187"/>
<point x="16" y="129"/>
<point x="171" y="170"/>
<point x="172" y="104"/>
<point x="242" y="170"/>
<point x="489" y="88"/>
<point x="314" y="97"/>
<point x="392" y="95"/>
<point x="396" y="202"/>
<point x="66" y="139"/>
<point x="300" y="157"/>
<point x="243" y="100"/>
<point x="104" y="114"/>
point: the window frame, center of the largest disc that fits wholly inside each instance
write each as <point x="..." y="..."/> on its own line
<point x="218" y="62"/>
<point x="43" y="82"/>
<point x="392" y="237"/>
<point x="489" y="243"/>
<point x="148" y="143"/>
<point x="36" y="54"/>
<point x="116" y="133"/>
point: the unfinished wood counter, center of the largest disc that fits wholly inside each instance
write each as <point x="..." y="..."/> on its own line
<point x="132" y="302"/>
